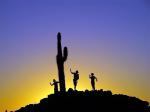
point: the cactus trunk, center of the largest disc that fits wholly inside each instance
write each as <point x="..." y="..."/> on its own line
<point x="61" y="58"/>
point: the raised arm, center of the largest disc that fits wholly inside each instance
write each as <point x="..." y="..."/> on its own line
<point x="71" y="71"/>
<point x="89" y="76"/>
<point x="51" y="84"/>
<point x="96" y="79"/>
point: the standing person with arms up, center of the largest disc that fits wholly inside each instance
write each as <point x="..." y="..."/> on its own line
<point x="75" y="78"/>
<point x="55" y="84"/>
<point x="93" y="78"/>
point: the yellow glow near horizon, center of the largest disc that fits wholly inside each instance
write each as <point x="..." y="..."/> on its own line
<point x="28" y="89"/>
<point x="109" y="38"/>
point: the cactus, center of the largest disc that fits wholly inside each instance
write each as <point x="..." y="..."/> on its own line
<point x="61" y="58"/>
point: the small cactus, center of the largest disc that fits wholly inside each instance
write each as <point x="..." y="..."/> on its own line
<point x="61" y="58"/>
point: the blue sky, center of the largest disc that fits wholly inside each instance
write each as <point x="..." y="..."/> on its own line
<point x="102" y="35"/>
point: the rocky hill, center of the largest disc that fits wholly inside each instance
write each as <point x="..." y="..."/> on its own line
<point x="88" y="101"/>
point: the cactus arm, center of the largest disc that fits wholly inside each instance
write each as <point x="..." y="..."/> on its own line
<point x="65" y="54"/>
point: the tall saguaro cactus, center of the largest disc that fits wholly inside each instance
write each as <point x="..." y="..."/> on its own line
<point x="61" y="58"/>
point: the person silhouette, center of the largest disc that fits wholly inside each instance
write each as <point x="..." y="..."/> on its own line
<point x="55" y="84"/>
<point x="75" y="78"/>
<point x="93" y="78"/>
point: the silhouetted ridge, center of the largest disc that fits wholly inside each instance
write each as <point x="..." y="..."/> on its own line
<point x="79" y="101"/>
<point x="94" y="101"/>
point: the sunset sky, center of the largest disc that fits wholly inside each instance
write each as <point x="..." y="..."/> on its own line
<point x="110" y="38"/>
